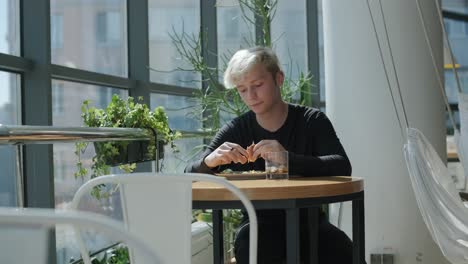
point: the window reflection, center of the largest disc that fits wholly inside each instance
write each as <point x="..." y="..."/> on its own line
<point x="178" y="109"/>
<point x="167" y="17"/>
<point x="107" y="29"/>
<point x="289" y="38"/>
<point x="67" y="98"/>
<point x="56" y="31"/>
<point x="459" y="6"/>
<point x="9" y="27"/>
<point x="457" y="32"/>
<point x="234" y="31"/>
<point x="90" y="35"/>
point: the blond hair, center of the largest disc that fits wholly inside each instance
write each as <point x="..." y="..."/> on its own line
<point x="244" y="60"/>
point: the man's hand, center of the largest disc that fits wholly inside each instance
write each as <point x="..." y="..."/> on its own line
<point x="225" y="154"/>
<point x="265" y="146"/>
<point x="250" y="152"/>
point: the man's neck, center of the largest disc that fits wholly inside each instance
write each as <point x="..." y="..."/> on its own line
<point x="275" y="118"/>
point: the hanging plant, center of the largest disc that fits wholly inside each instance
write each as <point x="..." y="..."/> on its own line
<point x="124" y="113"/>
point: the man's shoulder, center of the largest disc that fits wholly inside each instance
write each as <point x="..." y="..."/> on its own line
<point x="247" y="116"/>
<point x="307" y="112"/>
<point x="240" y="120"/>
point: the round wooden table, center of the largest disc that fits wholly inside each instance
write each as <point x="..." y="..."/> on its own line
<point x="280" y="189"/>
<point x="289" y="195"/>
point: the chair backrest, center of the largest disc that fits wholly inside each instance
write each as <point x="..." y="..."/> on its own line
<point x="25" y="233"/>
<point x="441" y="208"/>
<point x="158" y="208"/>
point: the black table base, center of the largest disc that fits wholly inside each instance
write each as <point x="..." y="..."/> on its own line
<point x="292" y="208"/>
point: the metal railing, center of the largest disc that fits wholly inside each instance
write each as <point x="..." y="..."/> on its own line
<point x="14" y="135"/>
<point x="22" y="135"/>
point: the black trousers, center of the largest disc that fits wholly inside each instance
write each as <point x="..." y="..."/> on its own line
<point x="334" y="246"/>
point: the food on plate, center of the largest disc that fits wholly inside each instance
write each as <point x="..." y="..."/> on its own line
<point x="252" y="172"/>
<point x="229" y="171"/>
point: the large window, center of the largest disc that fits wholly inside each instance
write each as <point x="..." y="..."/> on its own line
<point x="56" y="31"/>
<point x="169" y="20"/>
<point x="90" y="35"/>
<point x="108" y="28"/>
<point x="9" y="27"/>
<point x="65" y="184"/>
<point x="288" y="37"/>
<point x="456" y="26"/>
<point x="178" y="109"/>
<point x="9" y="115"/>
<point x="235" y="31"/>
<point x="72" y="95"/>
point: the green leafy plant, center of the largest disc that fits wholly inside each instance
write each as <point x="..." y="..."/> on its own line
<point x="116" y="254"/>
<point x="121" y="113"/>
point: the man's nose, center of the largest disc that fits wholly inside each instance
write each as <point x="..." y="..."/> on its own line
<point x="252" y="94"/>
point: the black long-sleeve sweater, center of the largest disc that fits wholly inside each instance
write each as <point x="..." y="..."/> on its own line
<point x="307" y="134"/>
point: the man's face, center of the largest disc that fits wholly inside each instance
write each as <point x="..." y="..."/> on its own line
<point x="259" y="91"/>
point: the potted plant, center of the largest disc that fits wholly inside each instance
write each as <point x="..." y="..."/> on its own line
<point x="129" y="114"/>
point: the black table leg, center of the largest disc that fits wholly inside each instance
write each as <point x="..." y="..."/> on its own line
<point x="292" y="236"/>
<point x="218" y="242"/>
<point x="358" y="231"/>
<point x="312" y="222"/>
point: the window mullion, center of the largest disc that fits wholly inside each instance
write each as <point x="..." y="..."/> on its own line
<point x="313" y="61"/>
<point x="138" y="55"/>
<point x="37" y="106"/>
<point x="209" y="33"/>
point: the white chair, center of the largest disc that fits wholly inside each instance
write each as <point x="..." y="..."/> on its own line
<point x="158" y="209"/>
<point x="24" y="233"/>
<point x="444" y="213"/>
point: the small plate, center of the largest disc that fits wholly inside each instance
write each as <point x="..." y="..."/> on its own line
<point x="240" y="175"/>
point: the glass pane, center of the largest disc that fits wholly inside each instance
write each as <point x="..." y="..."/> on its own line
<point x="178" y="110"/>
<point x="67" y="98"/>
<point x="9" y="27"/>
<point x="9" y="115"/>
<point x="289" y="38"/>
<point x="179" y="19"/>
<point x="234" y="31"/>
<point x="188" y="150"/>
<point x="458" y="36"/>
<point x="90" y="35"/>
<point x="459" y="6"/>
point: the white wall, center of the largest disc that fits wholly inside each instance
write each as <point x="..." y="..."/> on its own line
<point x="360" y="107"/>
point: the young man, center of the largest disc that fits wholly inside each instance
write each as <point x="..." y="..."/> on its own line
<point x="273" y="125"/>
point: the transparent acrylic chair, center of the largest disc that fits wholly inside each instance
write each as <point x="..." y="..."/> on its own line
<point x="443" y="211"/>
<point x="25" y="233"/>
<point x="158" y="208"/>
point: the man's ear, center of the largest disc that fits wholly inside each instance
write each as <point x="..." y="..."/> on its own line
<point x="279" y="78"/>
